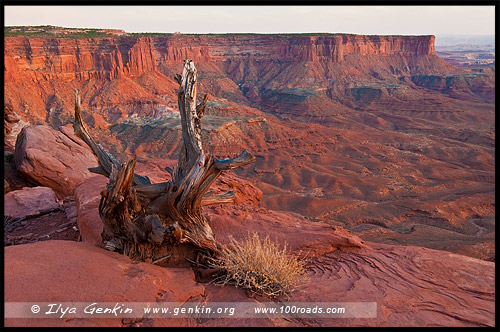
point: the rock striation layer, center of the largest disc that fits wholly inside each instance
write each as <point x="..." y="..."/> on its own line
<point x="67" y="59"/>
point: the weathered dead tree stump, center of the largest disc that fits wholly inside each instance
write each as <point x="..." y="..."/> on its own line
<point x="163" y="222"/>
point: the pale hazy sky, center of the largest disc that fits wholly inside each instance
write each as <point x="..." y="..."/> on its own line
<point x="412" y="20"/>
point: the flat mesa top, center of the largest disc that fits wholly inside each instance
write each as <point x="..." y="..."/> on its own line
<point x="48" y="31"/>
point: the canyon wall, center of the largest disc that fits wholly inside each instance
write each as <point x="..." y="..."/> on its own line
<point x="67" y="59"/>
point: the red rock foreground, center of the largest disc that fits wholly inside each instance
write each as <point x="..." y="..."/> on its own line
<point x="30" y="201"/>
<point x="72" y="271"/>
<point x="55" y="159"/>
<point x="412" y="286"/>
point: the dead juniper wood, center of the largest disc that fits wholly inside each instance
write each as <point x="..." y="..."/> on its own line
<point x="163" y="222"/>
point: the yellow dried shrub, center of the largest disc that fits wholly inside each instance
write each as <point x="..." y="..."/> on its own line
<point x="259" y="266"/>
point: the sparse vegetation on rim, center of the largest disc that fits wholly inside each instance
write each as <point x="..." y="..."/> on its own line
<point x="259" y="266"/>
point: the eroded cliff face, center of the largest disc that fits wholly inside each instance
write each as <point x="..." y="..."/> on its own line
<point x="294" y="48"/>
<point x="134" y="75"/>
<point x="68" y="59"/>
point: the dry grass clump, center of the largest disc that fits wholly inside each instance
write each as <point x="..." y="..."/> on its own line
<point x="259" y="266"/>
<point x="8" y="221"/>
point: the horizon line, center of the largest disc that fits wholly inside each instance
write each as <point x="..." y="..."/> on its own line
<point x="243" y="33"/>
